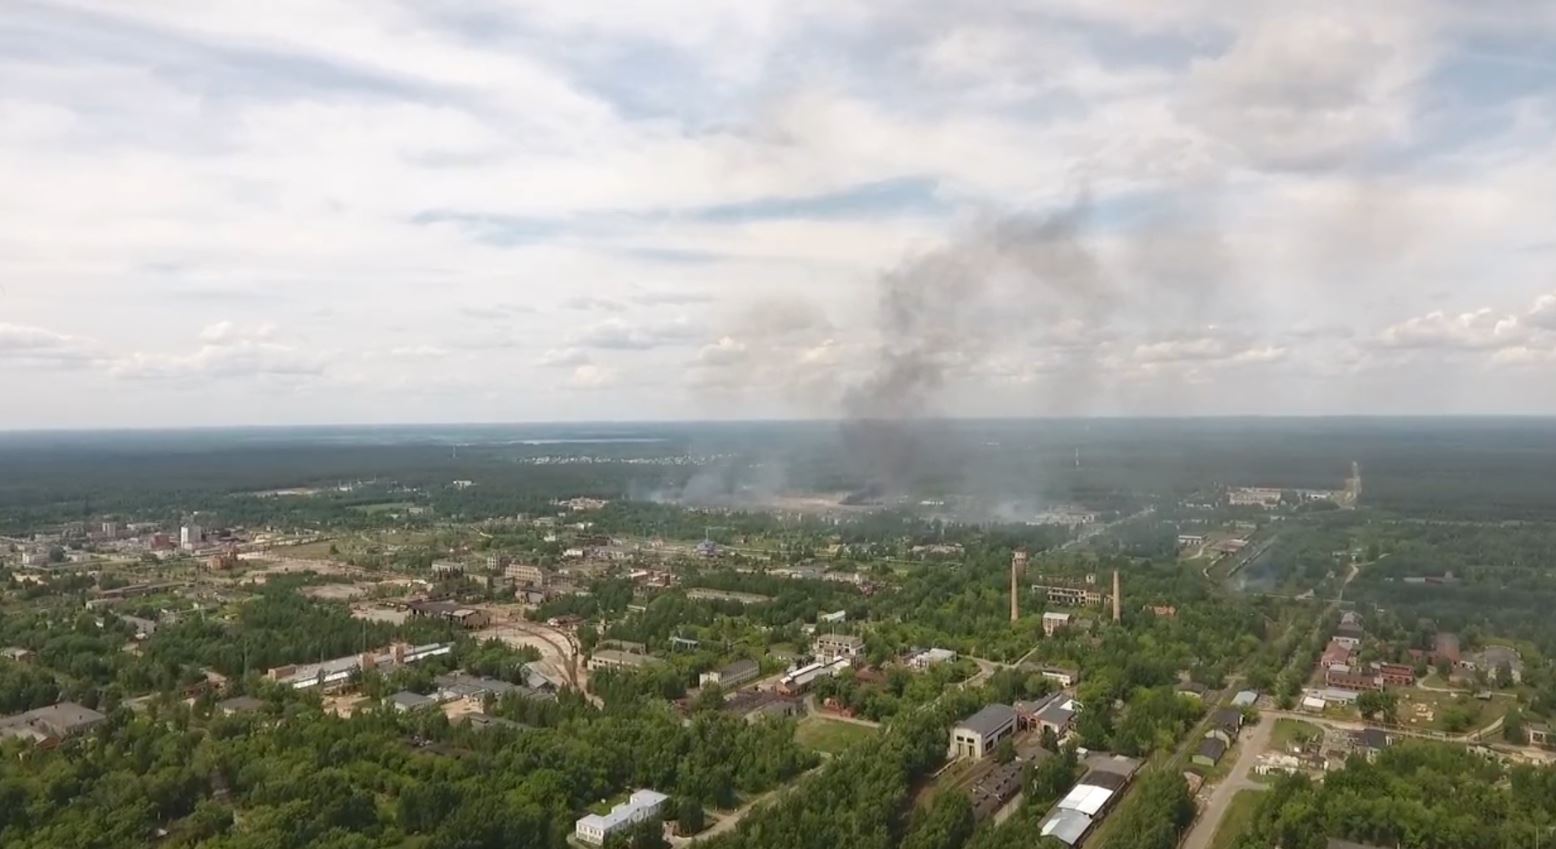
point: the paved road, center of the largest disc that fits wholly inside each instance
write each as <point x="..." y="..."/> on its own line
<point x="1253" y="743"/>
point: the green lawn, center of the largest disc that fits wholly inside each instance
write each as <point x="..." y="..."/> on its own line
<point x="1239" y="816"/>
<point x="830" y="736"/>
<point x="1288" y="731"/>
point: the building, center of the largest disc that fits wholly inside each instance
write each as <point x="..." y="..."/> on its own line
<point x="833" y="646"/>
<point x="617" y="659"/>
<point x="1001" y="784"/>
<point x="1343" y="678"/>
<point x="1054" y="622"/>
<point x="1397" y="674"/>
<point x="1254" y="496"/>
<point x="525" y="574"/>
<point x="1191" y="540"/>
<point x="733" y="675"/>
<point x="1336" y="654"/>
<point x="1067" y="596"/>
<point x="1245" y="699"/>
<point x="641" y="806"/>
<point x="1055" y="712"/>
<point x="931" y="657"/>
<point x="1446" y="647"/>
<point x="240" y="705"/>
<point x="706" y="594"/>
<point x="1349" y="633"/>
<point x="143" y="628"/>
<point x="1540" y="735"/>
<point x="1369" y="742"/>
<point x="833" y="618"/>
<point x="474" y="689"/>
<point x="799" y="680"/>
<point x="1210" y="752"/>
<point x="1062" y="677"/>
<point x="1225" y="724"/>
<point x="190" y="536"/>
<point x="977" y="735"/>
<point x="466" y="617"/>
<point x="406" y="701"/>
<point x="17" y="654"/>
<point x="1074" y="815"/>
<point x="1491" y="659"/>
<point x="1193" y="689"/>
<point x="333" y="674"/>
<point x="51" y="724"/>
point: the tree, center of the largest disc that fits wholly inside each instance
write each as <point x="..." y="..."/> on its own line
<point x="1504" y="675"/>
<point x="946" y="824"/>
<point x="689" y="817"/>
<point x="1005" y="751"/>
<point x="1379" y="704"/>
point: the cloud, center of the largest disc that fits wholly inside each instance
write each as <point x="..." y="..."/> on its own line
<point x="592" y="377"/>
<point x="564" y="358"/>
<point x="671" y="298"/>
<point x="589" y="303"/>
<point x="1480" y="330"/>
<point x="622" y="335"/>
<point x="419" y="352"/>
<point x="35" y="346"/>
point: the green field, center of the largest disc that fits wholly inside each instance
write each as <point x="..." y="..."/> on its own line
<point x="829" y="735"/>
<point x="1288" y="731"/>
<point x="1239" y="815"/>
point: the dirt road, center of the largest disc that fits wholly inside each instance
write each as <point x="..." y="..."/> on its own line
<point x="1254" y="741"/>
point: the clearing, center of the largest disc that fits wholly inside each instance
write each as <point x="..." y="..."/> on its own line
<point x="1238" y="817"/>
<point x="830" y="736"/>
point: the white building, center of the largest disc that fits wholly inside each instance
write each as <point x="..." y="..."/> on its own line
<point x="1055" y="622"/>
<point x="829" y="647"/>
<point x="931" y="657"/>
<point x="977" y="735"/>
<point x="190" y="536"/>
<point x="643" y="805"/>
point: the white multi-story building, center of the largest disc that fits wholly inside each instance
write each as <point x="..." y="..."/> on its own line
<point x="641" y="806"/>
<point x="190" y="536"/>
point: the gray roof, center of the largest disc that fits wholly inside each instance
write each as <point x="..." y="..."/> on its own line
<point x="1245" y="698"/>
<point x="1120" y="764"/>
<point x="1066" y="825"/>
<point x="1230" y="719"/>
<point x="468" y="686"/>
<point x="410" y="700"/>
<point x="1104" y="778"/>
<point x="1372" y="738"/>
<point x="240" y="704"/>
<point x="989" y="720"/>
<point x="739" y="668"/>
<point x="1211" y="747"/>
<point x="59" y="720"/>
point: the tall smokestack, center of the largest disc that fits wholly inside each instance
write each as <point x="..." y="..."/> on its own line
<point x="1118" y="599"/>
<point x="1018" y="565"/>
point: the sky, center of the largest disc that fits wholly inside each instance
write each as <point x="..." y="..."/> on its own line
<point x="342" y="211"/>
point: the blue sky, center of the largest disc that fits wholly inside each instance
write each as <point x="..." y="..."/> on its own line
<point x="348" y="211"/>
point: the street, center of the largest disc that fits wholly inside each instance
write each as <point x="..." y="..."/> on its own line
<point x="1254" y="742"/>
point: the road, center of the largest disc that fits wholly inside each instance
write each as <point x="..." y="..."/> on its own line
<point x="730" y="820"/>
<point x="1253" y="743"/>
<point x="558" y="650"/>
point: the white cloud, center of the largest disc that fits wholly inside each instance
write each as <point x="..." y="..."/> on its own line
<point x="623" y="335"/>
<point x="593" y="377"/>
<point x="35" y="346"/>
<point x="564" y="358"/>
<point x="1480" y="330"/>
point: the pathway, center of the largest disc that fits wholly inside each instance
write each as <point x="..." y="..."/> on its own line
<point x="1254" y="742"/>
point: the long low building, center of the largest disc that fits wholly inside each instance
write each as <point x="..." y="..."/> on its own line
<point x="50" y="724"/>
<point x="800" y="679"/>
<point x="338" y="672"/>
<point x="641" y="806"/>
<point x="1086" y="803"/>
<point x="617" y="659"/>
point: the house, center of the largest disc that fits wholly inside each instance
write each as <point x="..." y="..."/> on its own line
<point x="1336" y="654"/>
<point x="17" y="654"/>
<point x="977" y="735"/>
<point x="483" y="722"/>
<point x="733" y="675"/>
<point x="1349" y="633"/>
<point x="1210" y="752"/>
<point x="616" y="659"/>
<point x="833" y="618"/>
<point x="1193" y="689"/>
<point x="1054" y="622"/>
<point x="1245" y="699"/>
<point x="465" y="617"/>
<point x="1540" y="735"/>
<point x="641" y="806"/>
<point x="1368" y="742"/>
<point x="1225" y="725"/>
<point x="829" y="647"/>
<point x="1060" y="676"/>
<point x="239" y="705"/>
<point x="1314" y="704"/>
<point x="1397" y="674"/>
<point x="406" y="701"/>
<point x="931" y="657"/>
<point x="1345" y="679"/>
<point x="51" y="724"/>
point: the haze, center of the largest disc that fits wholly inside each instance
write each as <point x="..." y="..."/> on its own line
<point x="317" y="212"/>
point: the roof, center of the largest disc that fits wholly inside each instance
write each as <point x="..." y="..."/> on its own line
<point x="410" y="700"/>
<point x="1066" y="825"/>
<point x="482" y="721"/>
<point x="1372" y="738"/>
<point x="738" y="668"/>
<point x="240" y="704"/>
<point x="847" y="639"/>
<point x="1086" y="798"/>
<point x="1103" y="778"/>
<point x="625" y="811"/>
<point x="1120" y="764"/>
<point x="1065" y="617"/>
<point x="462" y="686"/>
<point x="1230" y="719"/>
<point x="1211" y="747"/>
<point x="1245" y="698"/>
<point x="58" y="720"/>
<point x="1191" y="687"/>
<point x="989" y="720"/>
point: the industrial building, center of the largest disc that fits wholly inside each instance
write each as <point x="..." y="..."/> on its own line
<point x="931" y="657"/>
<point x="1074" y="816"/>
<point x="406" y="701"/>
<point x="799" y="680"/>
<point x="977" y="735"/>
<point x="617" y="659"/>
<point x="338" y="672"/>
<point x="1067" y="596"/>
<point x="828" y="647"/>
<point x="51" y="724"/>
<point x="461" y="615"/>
<point x="733" y="675"/>
<point x="641" y="806"/>
<point x="1055" y="622"/>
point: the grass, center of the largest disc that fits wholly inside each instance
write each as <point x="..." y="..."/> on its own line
<point x="830" y="736"/>
<point x="307" y="551"/>
<point x="1238" y="818"/>
<point x="1288" y="731"/>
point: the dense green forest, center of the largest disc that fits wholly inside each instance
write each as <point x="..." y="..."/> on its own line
<point x="1416" y="796"/>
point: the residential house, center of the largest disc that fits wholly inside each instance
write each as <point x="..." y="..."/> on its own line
<point x="1210" y="752"/>
<point x="525" y="574"/>
<point x="1225" y="725"/>
<point x="1397" y="674"/>
<point x="977" y="735"/>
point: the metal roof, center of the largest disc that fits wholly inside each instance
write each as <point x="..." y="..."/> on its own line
<point x="989" y="720"/>
<point x="1086" y="798"/>
<point x="1067" y="826"/>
